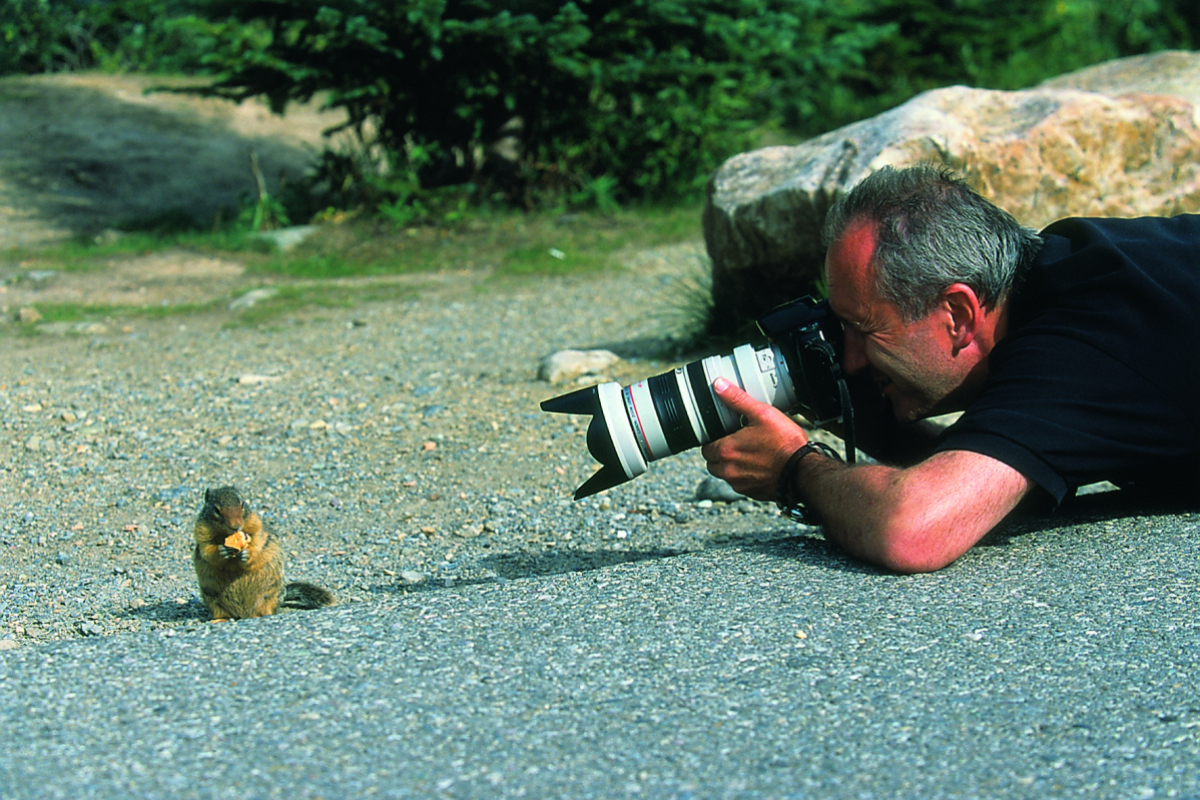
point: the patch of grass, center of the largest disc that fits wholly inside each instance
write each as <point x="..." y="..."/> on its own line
<point x="86" y="312"/>
<point x="542" y="260"/>
<point x="294" y="298"/>
<point x="85" y="255"/>
<point x="286" y="300"/>
<point x="348" y="262"/>
<point x="317" y="266"/>
<point x="499" y="242"/>
<point x="687" y="313"/>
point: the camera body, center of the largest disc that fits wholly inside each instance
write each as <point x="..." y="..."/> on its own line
<point x="810" y="337"/>
<point x="799" y="370"/>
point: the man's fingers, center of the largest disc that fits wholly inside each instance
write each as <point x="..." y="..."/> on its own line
<point x="740" y="402"/>
<point x="733" y="396"/>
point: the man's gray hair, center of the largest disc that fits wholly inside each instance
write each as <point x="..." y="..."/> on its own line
<point x="934" y="231"/>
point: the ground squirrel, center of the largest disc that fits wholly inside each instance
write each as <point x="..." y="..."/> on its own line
<point x="240" y="566"/>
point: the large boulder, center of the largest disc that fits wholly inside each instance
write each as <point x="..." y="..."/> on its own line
<point x="1173" y="72"/>
<point x="1120" y="139"/>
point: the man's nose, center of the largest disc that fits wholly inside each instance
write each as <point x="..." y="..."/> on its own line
<point x="854" y="354"/>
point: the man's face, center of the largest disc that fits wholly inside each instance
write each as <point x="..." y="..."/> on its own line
<point x="910" y="361"/>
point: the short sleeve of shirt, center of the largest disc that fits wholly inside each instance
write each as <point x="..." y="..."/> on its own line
<point x="1097" y="378"/>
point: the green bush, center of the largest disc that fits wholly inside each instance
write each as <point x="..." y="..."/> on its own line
<point x="614" y="100"/>
<point x="586" y="103"/>
<point x="133" y="35"/>
<point x="601" y="99"/>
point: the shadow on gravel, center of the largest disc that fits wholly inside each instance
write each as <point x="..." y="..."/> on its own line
<point x="1119" y="504"/>
<point x="168" y="611"/>
<point x="666" y="348"/>
<point x="523" y="565"/>
<point x="811" y="548"/>
<point x="815" y="550"/>
<point x="513" y="566"/>
<point x="1180" y="499"/>
<point x="1109" y="505"/>
<point x="640" y="348"/>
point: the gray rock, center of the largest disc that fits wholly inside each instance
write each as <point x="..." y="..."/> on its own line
<point x="1172" y="72"/>
<point x="715" y="489"/>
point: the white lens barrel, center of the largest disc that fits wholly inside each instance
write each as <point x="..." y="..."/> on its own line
<point x="769" y="377"/>
<point x="723" y="367"/>
<point x="612" y="406"/>
<point x="763" y="374"/>
<point x="639" y="402"/>
<point x="640" y="435"/>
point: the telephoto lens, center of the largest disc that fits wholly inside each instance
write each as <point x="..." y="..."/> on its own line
<point x="672" y="412"/>
<point x="799" y="369"/>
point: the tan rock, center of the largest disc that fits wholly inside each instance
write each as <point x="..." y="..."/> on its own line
<point x="573" y="365"/>
<point x="1172" y="72"/>
<point x="28" y="315"/>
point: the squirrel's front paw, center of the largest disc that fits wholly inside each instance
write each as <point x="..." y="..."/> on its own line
<point x="233" y="553"/>
<point x="236" y="546"/>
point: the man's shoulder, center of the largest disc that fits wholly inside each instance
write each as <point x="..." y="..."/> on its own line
<point x="1111" y="260"/>
<point x="1116" y="230"/>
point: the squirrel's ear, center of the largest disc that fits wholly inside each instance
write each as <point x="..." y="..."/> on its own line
<point x="208" y="495"/>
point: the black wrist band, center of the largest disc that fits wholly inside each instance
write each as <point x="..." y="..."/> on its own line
<point x="789" y="506"/>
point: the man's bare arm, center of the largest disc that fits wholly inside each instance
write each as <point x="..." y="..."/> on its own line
<point x="917" y="519"/>
<point x="913" y="519"/>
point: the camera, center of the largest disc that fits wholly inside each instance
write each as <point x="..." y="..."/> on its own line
<point x="799" y="370"/>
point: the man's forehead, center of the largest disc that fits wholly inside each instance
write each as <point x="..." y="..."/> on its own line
<point x="857" y="243"/>
<point x="848" y="267"/>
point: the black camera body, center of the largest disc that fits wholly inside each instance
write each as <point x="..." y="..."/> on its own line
<point x="810" y="338"/>
<point x="799" y="370"/>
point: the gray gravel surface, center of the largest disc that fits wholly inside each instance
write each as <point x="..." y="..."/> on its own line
<point x="391" y="446"/>
<point x="496" y="639"/>
<point x="1060" y="663"/>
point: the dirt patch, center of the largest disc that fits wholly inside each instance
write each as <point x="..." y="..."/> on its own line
<point x="166" y="278"/>
<point x="80" y="153"/>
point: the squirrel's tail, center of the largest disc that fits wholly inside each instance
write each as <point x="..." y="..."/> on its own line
<point x="307" y="595"/>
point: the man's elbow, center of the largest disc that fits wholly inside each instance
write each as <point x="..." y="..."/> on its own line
<point x="910" y="547"/>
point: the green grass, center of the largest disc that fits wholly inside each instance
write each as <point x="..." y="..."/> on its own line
<point x="81" y="313"/>
<point x="499" y="242"/>
<point x="287" y="301"/>
<point x="348" y="263"/>
<point x="292" y="298"/>
<point x="86" y="255"/>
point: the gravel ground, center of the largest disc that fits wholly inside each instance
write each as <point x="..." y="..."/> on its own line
<point x="392" y="447"/>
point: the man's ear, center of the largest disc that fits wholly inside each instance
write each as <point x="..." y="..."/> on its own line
<point x="964" y="314"/>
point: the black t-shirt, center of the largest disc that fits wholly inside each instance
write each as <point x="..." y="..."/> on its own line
<point x="1098" y="377"/>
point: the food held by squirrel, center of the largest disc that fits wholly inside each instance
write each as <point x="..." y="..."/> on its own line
<point x="239" y="565"/>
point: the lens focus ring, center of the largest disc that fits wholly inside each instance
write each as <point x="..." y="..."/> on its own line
<point x="672" y="416"/>
<point x="710" y="417"/>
